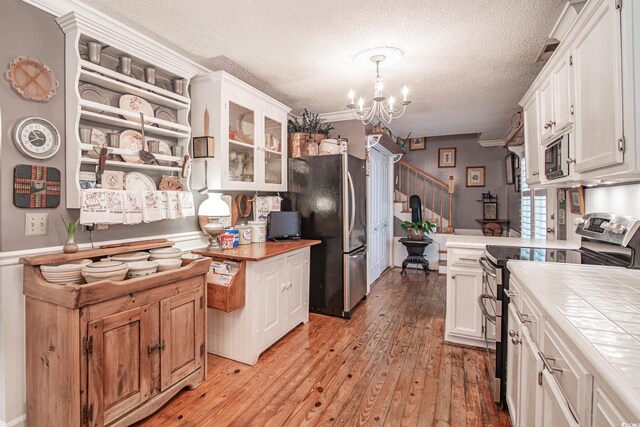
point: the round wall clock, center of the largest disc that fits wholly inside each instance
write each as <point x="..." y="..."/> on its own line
<point x="37" y="138"/>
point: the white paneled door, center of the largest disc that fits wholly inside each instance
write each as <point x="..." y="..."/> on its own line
<point x="380" y="214"/>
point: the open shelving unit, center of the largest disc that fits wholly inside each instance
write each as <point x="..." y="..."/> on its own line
<point x="108" y="117"/>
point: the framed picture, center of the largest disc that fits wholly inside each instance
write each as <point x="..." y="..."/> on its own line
<point x="509" y="167"/>
<point x="576" y="200"/>
<point x="475" y="176"/>
<point x="446" y="157"/>
<point x="490" y="210"/>
<point x="418" y="143"/>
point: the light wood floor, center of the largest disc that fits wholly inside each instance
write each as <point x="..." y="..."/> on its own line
<point x="388" y="365"/>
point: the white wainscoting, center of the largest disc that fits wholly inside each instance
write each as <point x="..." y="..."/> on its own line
<point x="12" y="332"/>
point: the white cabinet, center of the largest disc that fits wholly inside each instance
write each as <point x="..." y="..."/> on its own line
<point x="562" y="94"/>
<point x="271" y="286"/>
<point x="297" y="297"/>
<point x="276" y="301"/>
<point x="464" y="318"/>
<point x="598" y="82"/>
<point x="464" y="321"/>
<point x="532" y="149"/>
<point x="579" y="91"/>
<point x="545" y="98"/>
<point x="554" y="408"/>
<point x="605" y="412"/>
<point x="530" y="391"/>
<point x="250" y="134"/>
<point x="513" y="365"/>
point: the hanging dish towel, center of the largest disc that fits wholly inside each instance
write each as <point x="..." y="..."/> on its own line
<point x="151" y="206"/>
<point x="186" y="203"/>
<point x="93" y="207"/>
<point x="173" y="208"/>
<point x="132" y="207"/>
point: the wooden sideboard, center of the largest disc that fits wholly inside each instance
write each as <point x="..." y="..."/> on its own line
<point x="112" y="353"/>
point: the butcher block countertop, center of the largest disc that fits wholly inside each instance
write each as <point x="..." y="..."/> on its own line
<point x="259" y="251"/>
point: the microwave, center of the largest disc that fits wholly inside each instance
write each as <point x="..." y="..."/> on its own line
<point x="556" y="158"/>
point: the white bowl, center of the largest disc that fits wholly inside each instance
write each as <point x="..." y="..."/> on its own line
<point x="141" y="268"/>
<point x="168" y="264"/>
<point x="131" y="257"/>
<point x="91" y="275"/>
<point x="164" y="253"/>
<point x="64" y="272"/>
<point x="104" y="266"/>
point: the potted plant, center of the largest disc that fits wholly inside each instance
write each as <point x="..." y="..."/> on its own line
<point x="417" y="230"/>
<point x="307" y="126"/>
<point x="70" y="247"/>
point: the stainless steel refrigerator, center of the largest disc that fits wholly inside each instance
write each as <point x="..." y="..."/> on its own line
<point x="330" y="192"/>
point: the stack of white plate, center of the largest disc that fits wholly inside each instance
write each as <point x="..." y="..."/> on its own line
<point x="165" y="253"/>
<point x="105" y="270"/>
<point x="130" y="257"/>
<point x="64" y="272"/>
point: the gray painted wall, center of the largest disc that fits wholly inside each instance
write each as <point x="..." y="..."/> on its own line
<point x="354" y="131"/>
<point x="469" y="153"/>
<point x="45" y="41"/>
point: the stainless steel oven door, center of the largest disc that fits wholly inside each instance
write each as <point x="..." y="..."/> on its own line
<point x="491" y="308"/>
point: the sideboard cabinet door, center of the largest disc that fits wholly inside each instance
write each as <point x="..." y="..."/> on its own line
<point x="182" y="336"/>
<point x="118" y="364"/>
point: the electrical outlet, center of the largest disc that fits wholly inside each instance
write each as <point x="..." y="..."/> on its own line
<point x="36" y="224"/>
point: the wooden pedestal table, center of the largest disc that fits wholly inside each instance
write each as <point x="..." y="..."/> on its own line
<point x="112" y="353"/>
<point x="268" y="297"/>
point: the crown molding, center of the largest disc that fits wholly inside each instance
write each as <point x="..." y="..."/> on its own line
<point x="72" y="15"/>
<point x="338" y="116"/>
<point x="492" y="143"/>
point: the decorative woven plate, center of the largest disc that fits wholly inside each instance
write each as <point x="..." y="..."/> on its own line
<point x="32" y="78"/>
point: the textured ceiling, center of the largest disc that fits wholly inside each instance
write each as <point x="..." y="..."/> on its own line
<point x="467" y="63"/>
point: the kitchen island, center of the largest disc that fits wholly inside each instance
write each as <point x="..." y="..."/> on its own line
<point x="267" y="296"/>
<point x="578" y="329"/>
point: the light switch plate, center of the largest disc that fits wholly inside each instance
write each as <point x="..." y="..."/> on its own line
<point x="36" y="224"/>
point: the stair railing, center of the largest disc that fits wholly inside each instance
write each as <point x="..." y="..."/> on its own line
<point x="436" y="195"/>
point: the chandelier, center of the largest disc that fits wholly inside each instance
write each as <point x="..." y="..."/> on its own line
<point x="385" y="111"/>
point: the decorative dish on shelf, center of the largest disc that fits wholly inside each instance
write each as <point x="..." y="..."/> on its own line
<point x="136" y="104"/>
<point x="91" y="92"/>
<point x="138" y="181"/>
<point x="167" y="114"/>
<point x="132" y="140"/>
<point x="165" y="150"/>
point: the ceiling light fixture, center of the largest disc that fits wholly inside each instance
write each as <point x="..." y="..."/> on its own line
<point x="385" y="111"/>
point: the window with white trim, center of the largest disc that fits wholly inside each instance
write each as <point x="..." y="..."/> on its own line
<point x="533" y="209"/>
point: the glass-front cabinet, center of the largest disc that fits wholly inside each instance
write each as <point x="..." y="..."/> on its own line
<point x="249" y="129"/>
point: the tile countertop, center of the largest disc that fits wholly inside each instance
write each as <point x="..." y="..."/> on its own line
<point x="598" y="309"/>
<point x="480" y="242"/>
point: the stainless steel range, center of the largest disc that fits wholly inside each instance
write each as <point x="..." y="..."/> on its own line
<point x="607" y="239"/>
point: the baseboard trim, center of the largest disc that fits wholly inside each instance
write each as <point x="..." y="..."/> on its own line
<point x="16" y="422"/>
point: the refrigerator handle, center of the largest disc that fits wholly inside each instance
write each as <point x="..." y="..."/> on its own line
<point x="353" y="203"/>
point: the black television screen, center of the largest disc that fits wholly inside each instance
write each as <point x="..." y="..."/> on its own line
<point x="283" y="225"/>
